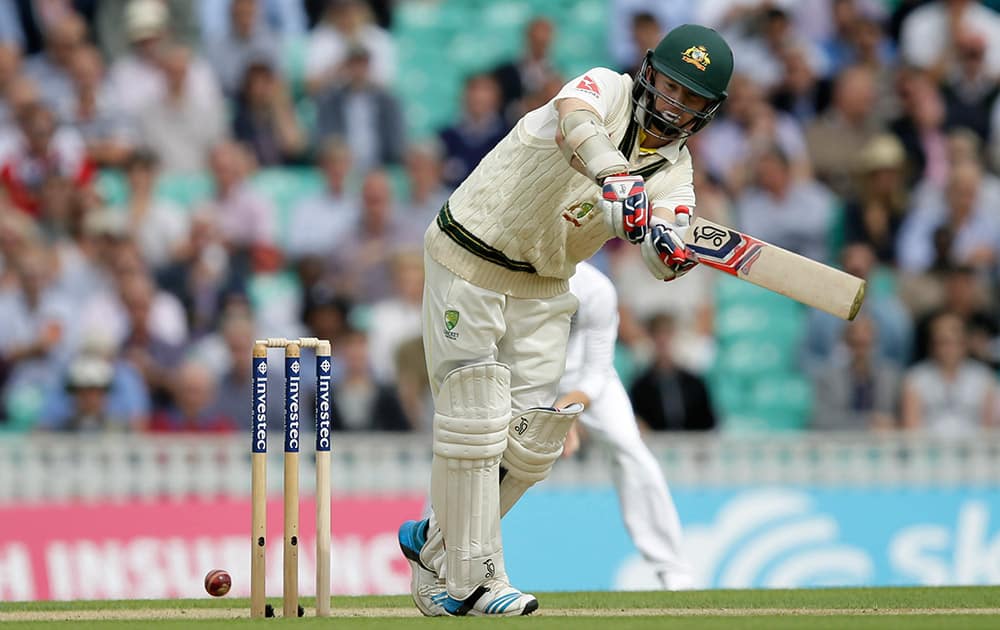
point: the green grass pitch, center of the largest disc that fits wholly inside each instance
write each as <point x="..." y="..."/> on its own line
<point x="969" y="608"/>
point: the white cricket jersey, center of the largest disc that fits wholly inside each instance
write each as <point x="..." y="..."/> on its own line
<point x="590" y="351"/>
<point x="524" y="218"/>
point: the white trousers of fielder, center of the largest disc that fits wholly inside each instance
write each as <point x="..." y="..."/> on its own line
<point x="647" y="508"/>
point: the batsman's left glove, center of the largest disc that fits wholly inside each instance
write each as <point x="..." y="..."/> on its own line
<point x="663" y="250"/>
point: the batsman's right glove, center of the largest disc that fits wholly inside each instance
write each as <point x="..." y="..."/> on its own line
<point x="626" y="206"/>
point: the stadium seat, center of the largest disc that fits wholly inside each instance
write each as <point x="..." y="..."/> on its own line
<point x="111" y="187"/>
<point x="187" y="190"/>
<point x="784" y="398"/>
<point x="751" y="357"/>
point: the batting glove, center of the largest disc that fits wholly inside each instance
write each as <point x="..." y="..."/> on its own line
<point x="663" y="250"/>
<point x="626" y="206"/>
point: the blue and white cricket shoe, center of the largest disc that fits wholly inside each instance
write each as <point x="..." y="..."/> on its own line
<point x="495" y="597"/>
<point x="428" y="590"/>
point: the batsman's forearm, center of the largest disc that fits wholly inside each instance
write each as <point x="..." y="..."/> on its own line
<point x="585" y="143"/>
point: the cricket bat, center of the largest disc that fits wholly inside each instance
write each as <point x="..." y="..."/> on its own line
<point x="776" y="269"/>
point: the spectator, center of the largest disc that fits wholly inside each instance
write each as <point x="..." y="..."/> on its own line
<point x="948" y="394"/>
<point x="265" y="118"/>
<point x="326" y="315"/>
<point x="522" y="76"/>
<point x="360" y="261"/>
<point x="665" y="397"/>
<point x="359" y="403"/>
<point x="62" y="209"/>
<point x="193" y="405"/>
<point x="800" y="92"/>
<point x="108" y="133"/>
<point x="320" y="220"/>
<point x="21" y="26"/>
<point x="367" y="116"/>
<point x="873" y="50"/>
<point x="41" y="149"/>
<point x="859" y="391"/>
<point x="396" y="319"/>
<point x="153" y="351"/>
<point x="427" y="191"/>
<point x="248" y="39"/>
<point x="412" y="384"/>
<point x="955" y="225"/>
<point x="795" y="215"/>
<point x="19" y="92"/>
<point x="281" y="18"/>
<point x="921" y="128"/>
<point x="970" y="91"/>
<point x="930" y="33"/>
<point x="245" y="217"/>
<point x="347" y="24"/>
<point x="690" y="303"/>
<point x="892" y="320"/>
<point x="19" y="234"/>
<point x="97" y="391"/>
<point x="760" y="56"/>
<point x="38" y="327"/>
<point x="646" y="34"/>
<point x="137" y="79"/>
<point x="88" y="381"/>
<point x="202" y="275"/>
<point x="181" y="126"/>
<point x="730" y="145"/>
<point x="157" y="225"/>
<point x="875" y="215"/>
<point x="129" y="304"/>
<point x="965" y="296"/>
<point x="224" y="353"/>
<point x="836" y="139"/>
<point x="479" y="128"/>
<point x="625" y="51"/>
<point x="10" y="71"/>
<point x="51" y="69"/>
<point x="171" y="19"/>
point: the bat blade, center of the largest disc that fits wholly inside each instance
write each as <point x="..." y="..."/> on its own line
<point x="779" y="270"/>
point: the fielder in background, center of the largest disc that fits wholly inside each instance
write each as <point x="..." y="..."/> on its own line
<point x="591" y="380"/>
<point x="592" y="164"/>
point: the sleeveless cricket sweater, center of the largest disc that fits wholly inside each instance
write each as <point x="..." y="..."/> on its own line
<point x="524" y="218"/>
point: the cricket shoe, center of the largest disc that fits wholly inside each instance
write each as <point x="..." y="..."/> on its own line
<point x="495" y="597"/>
<point x="427" y="589"/>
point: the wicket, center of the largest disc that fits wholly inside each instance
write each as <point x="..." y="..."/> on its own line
<point x="290" y="592"/>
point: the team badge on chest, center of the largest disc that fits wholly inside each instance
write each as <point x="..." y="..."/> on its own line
<point x="450" y="321"/>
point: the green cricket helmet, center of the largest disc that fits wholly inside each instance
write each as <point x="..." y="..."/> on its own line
<point x="695" y="57"/>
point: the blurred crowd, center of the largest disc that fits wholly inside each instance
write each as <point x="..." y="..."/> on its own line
<point x="861" y="133"/>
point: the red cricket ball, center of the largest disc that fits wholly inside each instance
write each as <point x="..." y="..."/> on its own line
<point x="218" y="582"/>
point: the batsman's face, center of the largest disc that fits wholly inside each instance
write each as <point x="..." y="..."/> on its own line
<point x="675" y="102"/>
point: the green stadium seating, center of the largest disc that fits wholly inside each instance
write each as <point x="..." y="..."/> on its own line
<point x="440" y="43"/>
<point x="781" y="395"/>
<point x="187" y="189"/>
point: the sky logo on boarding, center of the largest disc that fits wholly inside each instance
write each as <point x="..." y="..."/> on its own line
<point x="450" y="321"/>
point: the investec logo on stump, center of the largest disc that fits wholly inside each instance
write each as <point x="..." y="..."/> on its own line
<point x="323" y="401"/>
<point x="292" y="405"/>
<point x="260" y="405"/>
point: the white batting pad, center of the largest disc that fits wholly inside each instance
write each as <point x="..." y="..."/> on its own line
<point x="472" y="414"/>
<point x="534" y="443"/>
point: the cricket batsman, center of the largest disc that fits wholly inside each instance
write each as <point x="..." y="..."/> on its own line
<point x="592" y="164"/>
<point x="591" y="380"/>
